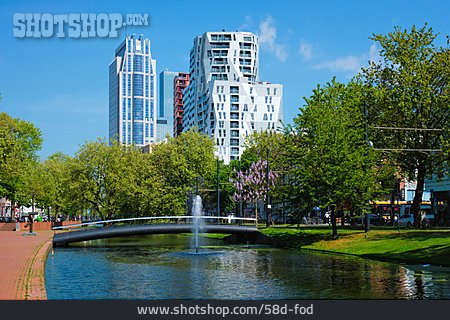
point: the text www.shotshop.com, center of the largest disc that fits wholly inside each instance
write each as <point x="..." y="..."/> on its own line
<point x="262" y="309"/>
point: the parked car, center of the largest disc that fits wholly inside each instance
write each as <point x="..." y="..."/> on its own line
<point x="406" y="220"/>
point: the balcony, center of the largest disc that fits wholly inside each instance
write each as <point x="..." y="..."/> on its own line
<point x="220" y="45"/>
<point x="221" y="37"/>
<point x="245" y="62"/>
<point x="245" y="46"/>
<point x="234" y="142"/>
<point x="234" y="107"/>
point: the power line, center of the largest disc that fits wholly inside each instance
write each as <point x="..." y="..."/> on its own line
<point x="411" y="150"/>
<point x="408" y="129"/>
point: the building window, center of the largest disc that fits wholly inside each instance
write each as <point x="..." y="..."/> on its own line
<point x="152" y="87"/>
<point x="268" y="91"/>
<point x="138" y="109"/>
<point x="129" y="108"/>
<point x="245" y="107"/>
<point x="124" y="84"/>
<point x="138" y="133"/>
<point x="138" y="84"/>
<point x="265" y="117"/>
<point x="274" y="91"/>
<point x="138" y="63"/>
<point x="124" y="109"/>
<point x="152" y="109"/>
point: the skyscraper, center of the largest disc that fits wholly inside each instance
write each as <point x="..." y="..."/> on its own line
<point x="132" y="93"/>
<point x="224" y="98"/>
<point x="180" y="84"/>
<point x="165" y="110"/>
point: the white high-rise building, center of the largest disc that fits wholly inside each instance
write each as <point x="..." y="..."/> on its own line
<point x="132" y="93"/>
<point x="225" y="98"/>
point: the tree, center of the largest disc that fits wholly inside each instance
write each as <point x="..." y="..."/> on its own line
<point x="180" y="163"/>
<point x="101" y="177"/>
<point x="334" y="164"/>
<point x="19" y="142"/>
<point x="57" y="185"/>
<point x="32" y="190"/>
<point x="272" y="147"/>
<point x="410" y="90"/>
<point x="253" y="185"/>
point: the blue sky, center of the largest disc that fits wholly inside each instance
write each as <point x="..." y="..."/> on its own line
<point x="61" y="84"/>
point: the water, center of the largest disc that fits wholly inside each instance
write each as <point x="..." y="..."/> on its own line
<point x="165" y="267"/>
<point x="197" y="212"/>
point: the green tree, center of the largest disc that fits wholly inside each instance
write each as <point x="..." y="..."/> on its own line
<point x="102" y="177"/>
<point x="19" y="142"/>
<point x="56" y="184"/>
<point x="410" y="91"/>
<point x="333" y="164"/>
<point x="272" y="147"/>
<point x="181" y="163"/>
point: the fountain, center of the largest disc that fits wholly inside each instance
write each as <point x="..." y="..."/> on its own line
<point x="197" y="212"/>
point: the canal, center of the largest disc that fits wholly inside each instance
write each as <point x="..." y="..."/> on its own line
<point x="164" y="267"/>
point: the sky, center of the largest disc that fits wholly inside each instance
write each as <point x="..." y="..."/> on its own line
<point x="61" y="84"/>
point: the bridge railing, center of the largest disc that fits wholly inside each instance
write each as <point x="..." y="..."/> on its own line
<point x="177" y="219"/>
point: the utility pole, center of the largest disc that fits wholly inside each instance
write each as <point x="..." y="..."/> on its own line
<point x="218" y="188"/>
<point x="240" y="189"/>
<point x="366" y="138"/>
<point x="268" y="215"/>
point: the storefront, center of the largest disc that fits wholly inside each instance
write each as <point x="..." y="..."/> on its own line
<point x="440" y="199"/>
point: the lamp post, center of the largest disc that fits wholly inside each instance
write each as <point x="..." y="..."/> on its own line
<point x="268" y="206"/>
<point x="366" y="138"/>
<point x="218" y="188"/>
<point x="240" y="188"/>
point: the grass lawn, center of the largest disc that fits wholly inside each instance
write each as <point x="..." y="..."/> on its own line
<point x="403" y="245"/>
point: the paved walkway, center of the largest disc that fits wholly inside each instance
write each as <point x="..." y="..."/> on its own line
<point x="22" y="262"/>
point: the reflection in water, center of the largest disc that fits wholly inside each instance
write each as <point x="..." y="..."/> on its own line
<point x="163" y="267"/>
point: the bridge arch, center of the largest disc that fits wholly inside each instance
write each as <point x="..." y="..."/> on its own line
<point x="63" y="239"/>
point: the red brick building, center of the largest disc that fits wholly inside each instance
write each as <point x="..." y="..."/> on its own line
<point x="180" y="82"/>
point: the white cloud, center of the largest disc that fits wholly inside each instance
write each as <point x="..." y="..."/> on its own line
<point x="268" y="39"/>
<point x="305" y="50"/>
<point x="351" y="63"/>
<point x="246" y="25"/>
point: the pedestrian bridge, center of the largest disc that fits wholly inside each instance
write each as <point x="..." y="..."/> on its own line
<point x="164" y="225"/>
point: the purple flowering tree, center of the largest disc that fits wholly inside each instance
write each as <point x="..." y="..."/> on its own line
<point x="252" y="186"/>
